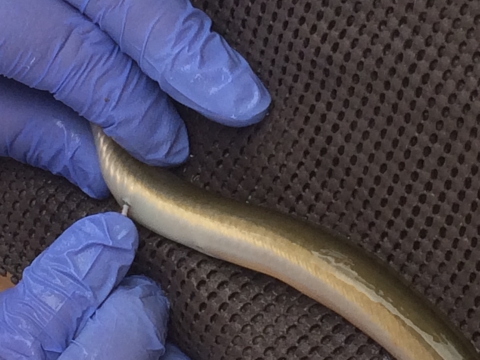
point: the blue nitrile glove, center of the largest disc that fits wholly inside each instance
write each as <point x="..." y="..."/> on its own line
<point x="74" y="302"/>
<point x="114" y="63"/>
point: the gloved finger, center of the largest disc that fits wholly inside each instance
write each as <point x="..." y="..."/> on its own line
<point x="50" y="46"/>
<point x="173" y="353"/>
<point x="64" y="286"/>
<point x="42" y="132"/>
<point x="130" y="324"/>
<point x="173" y="43"/>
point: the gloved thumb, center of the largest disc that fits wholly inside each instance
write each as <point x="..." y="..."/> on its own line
<point x="64" y="286"/>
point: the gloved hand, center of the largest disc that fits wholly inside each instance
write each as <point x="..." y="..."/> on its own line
<point x="114" y="63"/>
<point x="74" y="302"/>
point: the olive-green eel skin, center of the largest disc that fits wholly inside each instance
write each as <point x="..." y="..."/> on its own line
<point x="328" y="269"/>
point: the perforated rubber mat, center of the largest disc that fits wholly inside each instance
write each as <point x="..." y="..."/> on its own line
<point x="373" y="133"/>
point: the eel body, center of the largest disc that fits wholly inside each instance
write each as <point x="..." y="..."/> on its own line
<point x="311" y="260"/>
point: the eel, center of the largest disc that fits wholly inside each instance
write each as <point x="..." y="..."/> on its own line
<point x="319" y="264"/>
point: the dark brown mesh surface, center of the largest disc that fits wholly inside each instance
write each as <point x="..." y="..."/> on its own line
<point x="373" y="133"/>
<point x="219" y="311"/>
